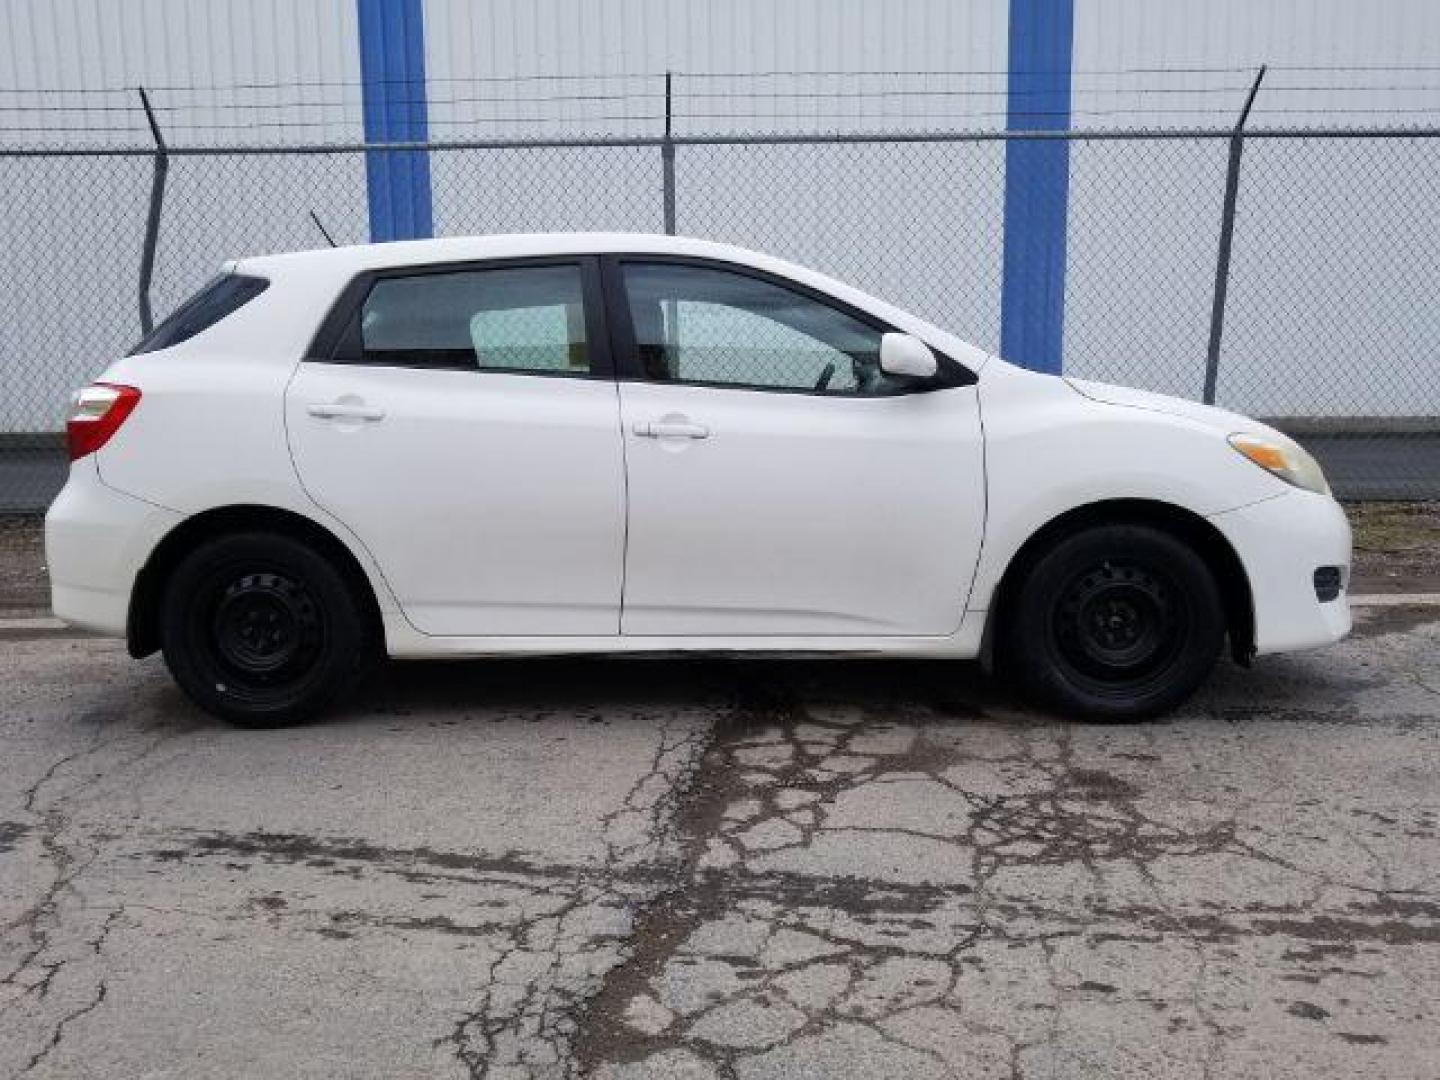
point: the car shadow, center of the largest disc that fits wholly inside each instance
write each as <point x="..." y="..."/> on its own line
<point x="757" y="691"/>
<point x="727" y="685"/>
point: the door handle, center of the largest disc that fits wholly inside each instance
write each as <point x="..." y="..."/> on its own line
<point x="344" y="411"/>
<point x="671" y="429"/>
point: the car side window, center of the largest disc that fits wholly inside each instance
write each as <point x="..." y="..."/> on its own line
<point x="521" y="319"/>
<point x="710" y="326"/>
<point x="218" y="300"/>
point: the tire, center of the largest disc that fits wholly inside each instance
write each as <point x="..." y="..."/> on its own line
<point x="1115" y="622"/>
<point x="263" y="631"/>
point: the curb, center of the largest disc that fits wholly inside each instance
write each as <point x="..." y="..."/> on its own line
<point x="1419" y="599"/>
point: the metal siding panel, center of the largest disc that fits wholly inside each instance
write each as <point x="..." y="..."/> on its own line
<point x="591" y="46"/>
<point x="1116" y="38"/>
<point x="1144" y="225"/>
<point x="178" y="43"/>
<point x="1036" y="184"/>
<point x="81" y="311"/>
<point x="176" y="46"/>
<point x="392" y="63"/>
<point x="779" y="199"/>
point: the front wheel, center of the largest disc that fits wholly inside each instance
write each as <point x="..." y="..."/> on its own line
<point x="1115" y="622"/>
<point x="261" y="630"/>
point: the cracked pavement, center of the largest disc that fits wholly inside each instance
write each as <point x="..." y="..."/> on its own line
<point x="708" y="868"/>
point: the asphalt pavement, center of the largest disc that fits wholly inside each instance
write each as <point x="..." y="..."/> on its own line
<point x="706" y="868"/>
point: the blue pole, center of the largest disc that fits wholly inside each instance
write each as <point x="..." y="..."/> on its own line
<point x="392" y="77"/>
<point x="1037" y="182"/>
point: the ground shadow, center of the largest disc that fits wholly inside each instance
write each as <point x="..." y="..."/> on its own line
<point x="603" y="683"/>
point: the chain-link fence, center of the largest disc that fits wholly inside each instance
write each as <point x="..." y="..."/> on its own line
<point x="1327" y="289"/>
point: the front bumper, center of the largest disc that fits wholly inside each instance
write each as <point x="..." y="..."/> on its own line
<point x="1282" y="542"/>
<point x="96" y="541"/>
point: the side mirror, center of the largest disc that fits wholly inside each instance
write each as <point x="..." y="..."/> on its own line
<point x="901" y="354"/>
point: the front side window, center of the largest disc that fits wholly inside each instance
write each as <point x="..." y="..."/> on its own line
<point x="521" y="319"/>
<point x="698" y="324"/>
<point x="221" y="297"/>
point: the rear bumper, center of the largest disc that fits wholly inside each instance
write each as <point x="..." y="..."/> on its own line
<point x="1282" y="542"/>
<point x="96" y="541"/>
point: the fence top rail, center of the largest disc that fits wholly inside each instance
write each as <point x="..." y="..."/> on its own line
<point x="736" y="139"/>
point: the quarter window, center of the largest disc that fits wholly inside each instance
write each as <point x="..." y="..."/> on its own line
<point x="219" y="299"/>
<point x="522" y="319"/>
<point x="698" y="324"/>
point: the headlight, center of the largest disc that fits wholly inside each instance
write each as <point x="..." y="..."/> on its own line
<point x="1286" y="460"/>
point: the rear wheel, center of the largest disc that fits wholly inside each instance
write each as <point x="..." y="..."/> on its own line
<point x="1116" y="622"/>
<point x="261" y="630"/>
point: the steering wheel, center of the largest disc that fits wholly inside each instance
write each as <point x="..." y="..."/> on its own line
<point x="825" y="376"/>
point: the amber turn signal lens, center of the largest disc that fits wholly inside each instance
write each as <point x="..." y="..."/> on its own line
<point x="1284" y="459"/>
<point x="1263" y="454"/>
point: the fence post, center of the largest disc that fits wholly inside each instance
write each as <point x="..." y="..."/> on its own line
<point x="152" y="219"/>
<point x="321" y="226"/>
<point x="1227" y="235"/>
<point x="667" y="165"/>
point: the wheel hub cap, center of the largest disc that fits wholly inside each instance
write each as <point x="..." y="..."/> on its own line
<point x="1117" y="620"/>
<point x="264" y="624"/>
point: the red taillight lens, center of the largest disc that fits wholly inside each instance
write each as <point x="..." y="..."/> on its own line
<point x="98" y="412"/>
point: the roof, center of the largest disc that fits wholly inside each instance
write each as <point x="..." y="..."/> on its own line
<point x="357" y="257"/>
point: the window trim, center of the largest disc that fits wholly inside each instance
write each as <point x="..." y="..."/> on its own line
<point x="337" y="329"/>
<point x="951" y="373"/>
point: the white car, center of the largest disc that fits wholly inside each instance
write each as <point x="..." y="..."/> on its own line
<point x="619" y="443"/>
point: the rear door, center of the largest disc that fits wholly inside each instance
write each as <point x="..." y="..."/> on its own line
<point x="779" y="483"/>
<point x="462" y="421"/>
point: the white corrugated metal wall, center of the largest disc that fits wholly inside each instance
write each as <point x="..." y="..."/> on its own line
<point x="625" y="38"/>
<point x="100" y="44"/>
<point x="219" y="71"/>
<point x="922" y="226"/>
<point x="1312" y="321"/>
<point x="200" y="57"/>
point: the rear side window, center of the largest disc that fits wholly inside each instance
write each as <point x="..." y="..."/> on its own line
<point x="220" y="298"/>
<point x="518" y="319"/>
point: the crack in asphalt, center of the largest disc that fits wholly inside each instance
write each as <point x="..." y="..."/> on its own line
<point x="806" y="880"/>
<point x="69" y="856"/>
<point x="57" y="1033"/>
<point x="694" y="913"/>
<point x="1072" y="816"/>
<point x="535" y="1027"/>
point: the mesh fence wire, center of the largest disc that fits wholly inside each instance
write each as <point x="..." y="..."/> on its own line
<point x="546" y="189"/>
<point x="1144" y="222"/>
<point x="219" y="207"/>
<point x="1330" y="325"/>
<point x="1331" y="319"/>
<point x="70" y="239"/>
<point x="917" y="223"/>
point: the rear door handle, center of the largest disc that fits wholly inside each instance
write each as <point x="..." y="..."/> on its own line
<point x="671" y="429"/>
<point x="336" y="410"/>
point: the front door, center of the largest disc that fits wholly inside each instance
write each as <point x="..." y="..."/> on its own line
<point x="466" y="429"/>
<point x="779" y="483"/>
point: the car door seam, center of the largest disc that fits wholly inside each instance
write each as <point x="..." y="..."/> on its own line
<point x="625" y="506"/>
<point x="335" y="522"/>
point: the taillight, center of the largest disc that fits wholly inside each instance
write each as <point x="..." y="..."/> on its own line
<point x="98" y="412"/>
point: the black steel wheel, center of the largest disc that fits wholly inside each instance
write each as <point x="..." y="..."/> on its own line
<point x="1115" y="622"/>
<point x="261" y="630"/>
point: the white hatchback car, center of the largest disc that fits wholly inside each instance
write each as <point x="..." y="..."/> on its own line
<point x="617" y="443"/>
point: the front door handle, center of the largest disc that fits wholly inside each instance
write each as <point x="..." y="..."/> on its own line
<point x="671" y="429"/>
<point x="340" y="410"/>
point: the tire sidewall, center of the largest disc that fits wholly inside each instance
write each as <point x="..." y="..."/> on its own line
<point x="1047" y="674"/>
<point x="337" y="665"/>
